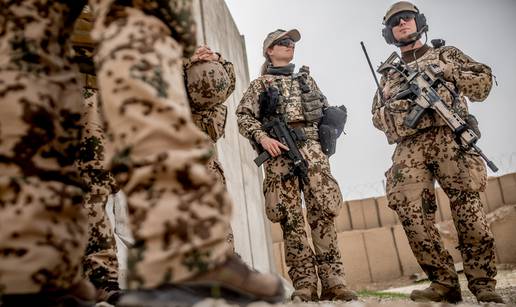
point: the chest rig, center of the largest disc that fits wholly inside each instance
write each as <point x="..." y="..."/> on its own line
<point x="296" y="101"/>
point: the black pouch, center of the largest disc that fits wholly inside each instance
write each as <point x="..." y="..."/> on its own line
<point x="328" y="139"/>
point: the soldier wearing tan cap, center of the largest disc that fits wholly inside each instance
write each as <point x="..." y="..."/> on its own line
<point x="300" y="103"/>
<point x="429" y="152"/>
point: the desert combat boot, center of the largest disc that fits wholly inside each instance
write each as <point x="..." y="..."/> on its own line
<point x="437" y="293"/>
<point x="307" y="294"/>
<point x="489" y="296"/>
<point x="338" y="293"/>
<point x="232" y="281"/>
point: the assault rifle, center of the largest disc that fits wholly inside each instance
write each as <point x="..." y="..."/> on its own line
<point x="420" y="88"/>
<point x="276" y="126"/>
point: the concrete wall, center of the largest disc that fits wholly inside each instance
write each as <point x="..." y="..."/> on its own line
<point x="250" y="227"/>
<point x="375" y="248"/>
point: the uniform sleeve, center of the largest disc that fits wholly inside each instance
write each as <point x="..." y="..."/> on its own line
<point x="178" y="16"/>
<point x="378" y="108"/>
<point x="248" y="111"/>
<point x="473" y="79"/>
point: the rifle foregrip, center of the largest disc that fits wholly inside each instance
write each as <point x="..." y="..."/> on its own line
<point x="414" y="116"/>
<point x="264" y="156"/>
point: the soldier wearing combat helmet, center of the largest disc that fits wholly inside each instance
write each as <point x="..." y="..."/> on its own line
<point x="429" y="151"/>
<point x="297" y="100"/>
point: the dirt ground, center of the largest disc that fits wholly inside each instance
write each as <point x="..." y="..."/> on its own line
<point x="396" y="293"/>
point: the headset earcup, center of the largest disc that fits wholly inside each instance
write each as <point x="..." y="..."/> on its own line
<point x="387" y="35"/>
<point x="421" y="21"/>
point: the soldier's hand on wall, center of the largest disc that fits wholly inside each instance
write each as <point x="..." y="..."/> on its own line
<point x="272" y="146"/>
<point x="204" y="53"/>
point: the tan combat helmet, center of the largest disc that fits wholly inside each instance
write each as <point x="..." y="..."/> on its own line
<point x="207" y="83"/>
<point x="402" y="6"/>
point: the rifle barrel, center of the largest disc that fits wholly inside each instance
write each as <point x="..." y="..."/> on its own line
<point x="489" y="163"/>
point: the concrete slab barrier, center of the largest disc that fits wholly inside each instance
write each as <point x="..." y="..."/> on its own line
<point x="354" y="256"/>
<point x="503" y="226"/>
<point x="493" y="194"/>
<point x="371" y="216"/>
<point x="443" y="202"/>
<point x="388" y="217"/>
<point x="343" y="220"/>
<point x="383" y="257"/>
<point x="357" y="214"/>
<point x="406" y="257"/>
<point x="508" y="185"/>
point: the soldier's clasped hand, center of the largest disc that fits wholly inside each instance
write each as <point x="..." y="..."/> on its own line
<point x="204" y="53"/>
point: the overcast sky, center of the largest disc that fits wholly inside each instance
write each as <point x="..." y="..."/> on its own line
<point x="331" y="31"/>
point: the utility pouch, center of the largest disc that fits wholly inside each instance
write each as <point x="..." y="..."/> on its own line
<point x="312" y="106"/>
<point x="212" y="121"/>
<point x="310" y="96"/>
<point x="299" y="135"/>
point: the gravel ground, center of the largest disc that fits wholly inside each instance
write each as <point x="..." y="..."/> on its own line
<point x="378" y="294"/>
<point x="373" y="297"/>
<point x="506" y="286"/>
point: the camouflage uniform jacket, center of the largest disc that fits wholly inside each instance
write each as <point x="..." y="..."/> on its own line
<point x="175" y="14"/>
<point x="248" y="111"/>
<point x="461" y="73"/>
<point x="212" y="121"/>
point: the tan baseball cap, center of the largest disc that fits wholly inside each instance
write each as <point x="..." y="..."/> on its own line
<point x="276" y="35"/>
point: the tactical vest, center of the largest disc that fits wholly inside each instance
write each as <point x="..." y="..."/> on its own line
<point x="300" y="104"/>
<point x="390" y="117"/>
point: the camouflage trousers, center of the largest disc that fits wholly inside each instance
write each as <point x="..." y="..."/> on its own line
<point x="43" y="224"/>
<point x="216" y="168"/>
<point x="417" y="163"/>
<point x="100" y="262"/>
<point x="179" y="213"/>
<point x="212" y="121"/>
<point x="323" y="201"/>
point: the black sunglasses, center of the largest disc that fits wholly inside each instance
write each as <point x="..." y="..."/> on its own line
<point x="396" y="19"/>
<point x="285" y="42"/>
